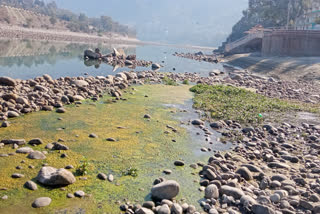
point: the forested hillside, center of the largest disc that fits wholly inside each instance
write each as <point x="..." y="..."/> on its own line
<point x="75" y="22"/>
<point x="268" y="13"/>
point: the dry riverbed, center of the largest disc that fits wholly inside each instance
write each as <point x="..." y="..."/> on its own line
<point x="273" y="166"/>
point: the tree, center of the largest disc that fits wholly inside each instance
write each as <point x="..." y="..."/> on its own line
<point x="53" y="20"/>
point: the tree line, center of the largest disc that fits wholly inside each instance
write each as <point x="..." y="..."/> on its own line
<point x="76" y="22"/>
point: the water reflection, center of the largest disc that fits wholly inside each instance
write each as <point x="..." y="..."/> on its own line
<point x="25" y="59"/>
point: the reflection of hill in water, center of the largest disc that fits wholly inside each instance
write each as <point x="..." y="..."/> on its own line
<point x="32" y="53"/>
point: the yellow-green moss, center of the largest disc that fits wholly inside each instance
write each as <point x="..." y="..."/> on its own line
<point x="142" y="145"/>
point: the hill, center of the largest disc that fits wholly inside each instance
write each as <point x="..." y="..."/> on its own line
<point x="201" y="22"/>
<point x="38" y="14"/>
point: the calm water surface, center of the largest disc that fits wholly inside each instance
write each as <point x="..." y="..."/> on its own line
<point x="29" y="59"/>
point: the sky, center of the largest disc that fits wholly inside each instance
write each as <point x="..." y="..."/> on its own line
<point x="195" y="22"/>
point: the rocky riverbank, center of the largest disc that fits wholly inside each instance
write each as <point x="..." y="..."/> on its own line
<point x="44" y="93"/>
<point x="272" y="168"/>
<point x="200" y="56"/>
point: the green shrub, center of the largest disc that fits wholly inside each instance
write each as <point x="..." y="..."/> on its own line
<point x="168" y="81"/>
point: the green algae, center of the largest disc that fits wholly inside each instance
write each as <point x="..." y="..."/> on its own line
<point x="141" y="144"/>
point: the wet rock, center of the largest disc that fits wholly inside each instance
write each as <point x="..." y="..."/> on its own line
<point x="36" y="155"/>
<point x="55" y="177"/>
<point x="31" y="185"/>
<point x="197" y="122"/>
<point x="212" y="191"/>
<point x="24" y="150"/>
<point x="36" y="141"/>
<point x="155" y="66"/>
<point x="165" y="190"/>
<point x="7" y="81"/>
<point x="41" y="202"/>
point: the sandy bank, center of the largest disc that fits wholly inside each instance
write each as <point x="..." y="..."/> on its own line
<point x="15" y="32"/>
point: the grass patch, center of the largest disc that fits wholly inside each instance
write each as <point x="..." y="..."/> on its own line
<point x="186" y="82"/>
<point x="168" y="81"/>
<point x="232" y="103"/>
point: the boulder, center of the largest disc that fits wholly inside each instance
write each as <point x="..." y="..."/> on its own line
<point x="197" y="122"/>
<point x="41" y="202"/>
<point x="90" y="54"/>
<point x="231" y="191"/>
<point x="155" y="66"/>
<point x="143" y="210"/>
<point x="80" y="83"/>
<point x="59" y="146"/>
<point x="211" y="191"/>
<point x="12" y="114"/>
<point x="19" y="142"/>
<point x="36" y="155"/>
<point x="31" y="185"/>
<point x="261" y="209"/>
<point x="119" y="53"/>
<point x="245" y="173"/>
<point x="165" y="190"/>
<point x="55" y="177"/>
<point x="7" y="81"/>
<point x="36" y="141"/>
<point x="24" y="150"/>
<point x="164" y="209"/>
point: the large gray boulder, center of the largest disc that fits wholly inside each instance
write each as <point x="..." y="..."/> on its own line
<point x="7" y="81"/>
<point x="231" y="191"/>
<point x="80" y="83"/>
<point x="212" y="191"/>
<point x="90" y="54"/>
<point x="19" y="142"/>
<point x="41" y="202"/>
<point x="165" y="190"/>
<point x="55" y="177"/>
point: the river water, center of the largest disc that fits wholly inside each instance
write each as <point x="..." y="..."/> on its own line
<point x="26" y="59"/>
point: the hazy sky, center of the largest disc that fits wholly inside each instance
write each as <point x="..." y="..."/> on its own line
<point x="198" y="22"/>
